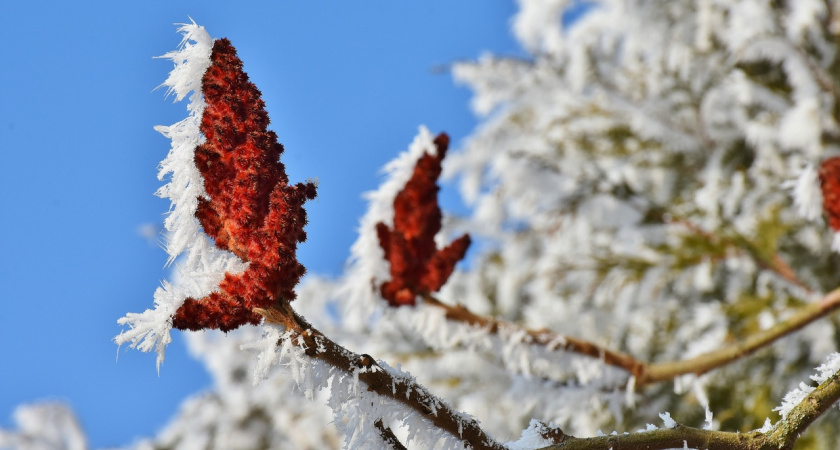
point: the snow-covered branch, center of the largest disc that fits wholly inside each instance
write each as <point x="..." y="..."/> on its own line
<point x="650" y="372"/>
<point x="781" y="436"/>
<point x="384" y="381"/>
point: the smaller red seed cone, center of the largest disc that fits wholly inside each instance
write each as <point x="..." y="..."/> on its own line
<point x="830" y="184"/>
<point x="418" y="267"/>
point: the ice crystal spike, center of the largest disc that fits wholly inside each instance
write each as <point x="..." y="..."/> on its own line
<point x="417" y="266"/>
<point x="250" y="208"/>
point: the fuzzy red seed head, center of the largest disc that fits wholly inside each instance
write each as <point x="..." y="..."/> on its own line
<point x="250" y="208"/>
<point x="418" y="267"/>
<point x="830" y="183"/>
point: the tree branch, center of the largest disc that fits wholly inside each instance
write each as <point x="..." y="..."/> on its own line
<point x="399" y="388"/>
<point x="814" y="405"/>
<point x="781" y="437"/>
<point x="406" y="391"/>
<point x="544" y="338"/>
<point x="646" y="372"/>
<point x="709" y="361"/>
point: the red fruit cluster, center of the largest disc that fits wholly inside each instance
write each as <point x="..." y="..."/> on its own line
<point x="251" y="210"/>
<point x="417" y="266"/>
<point x="830" y="183"/>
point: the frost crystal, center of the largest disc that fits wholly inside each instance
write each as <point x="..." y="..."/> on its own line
<point x="532" y="437"/>
<point x="250" y="209"/>
<point x="767" y="426"/>
<point x="807" y="195"/>
<point x="827" y="369"/>
<point x="795" y="397"/>
<point x="204" y="265"/>
<point x="709" y="422"/>
<point x="668" y="421"/>
<point x="227" y="181"/>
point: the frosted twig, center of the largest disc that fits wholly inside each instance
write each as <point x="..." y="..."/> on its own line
<point x="782" y="436"/>
<point x="384" y="382"/>
<point x="388" y="435"/>
<point x="546" y="338"/>
<point x="647" y="372"/>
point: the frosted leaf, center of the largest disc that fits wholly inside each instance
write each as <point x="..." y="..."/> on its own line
<point x="803" y="15"/>
<point x="44" y="426"/>
<point x="800" y="128"/>
<point x="537" y="25"/>
<point x="703" y="276"/>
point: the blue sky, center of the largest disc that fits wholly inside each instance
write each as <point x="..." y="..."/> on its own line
<point x="346" y="85"/>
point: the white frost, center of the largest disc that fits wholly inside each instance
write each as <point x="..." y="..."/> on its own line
<point x="44" y="426"/>
<point x="668" y="421"/>
<point x="795" y="397"/>
<point x="204" y="265"/>
<point x="807" y="195"/>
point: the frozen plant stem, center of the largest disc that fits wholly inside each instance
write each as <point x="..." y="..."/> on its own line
<point x="781" y="437"/>
<point x="406" y="391"/>
<point x="710" y="361"/>
<point x="400" y="389"/>
<point x="388" y="436"/>
<point x="647" y="372"/>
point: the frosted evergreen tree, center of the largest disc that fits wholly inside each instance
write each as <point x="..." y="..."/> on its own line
<point x="649" y="179"/>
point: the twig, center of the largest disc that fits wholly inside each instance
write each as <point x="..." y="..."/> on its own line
<point x="709" y="361"/>
<point x="402" y="389"/>
<point x="388" y="436"/>
<point x="781" y="437"/>
<point x="814" y="405"/>
<point x="646" y="372"/>
<point x="545" y="338"/>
